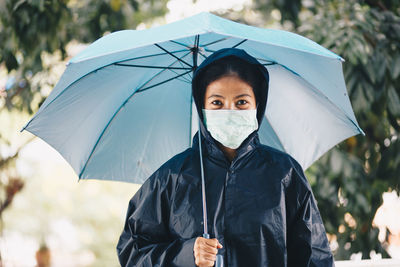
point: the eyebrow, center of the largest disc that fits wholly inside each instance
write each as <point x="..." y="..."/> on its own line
<point x="215" y="96"/>
<point x="242" y="95"/>
<point x="239" y="96"/>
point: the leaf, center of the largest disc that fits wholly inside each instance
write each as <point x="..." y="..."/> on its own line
<point x="380" y="66"/>
<point x="18" y="4"/>
<point x="395" y="68"/>
<point x="369" y="91"/>
<point x="370" y="71"/>
<point x="393" y="102"/>
<point x="359" y="100"/>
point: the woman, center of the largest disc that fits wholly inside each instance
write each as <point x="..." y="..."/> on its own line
<point x="261" y="211"/>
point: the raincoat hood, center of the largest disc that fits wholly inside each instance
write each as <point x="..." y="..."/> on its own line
<point x="262" y="93"/>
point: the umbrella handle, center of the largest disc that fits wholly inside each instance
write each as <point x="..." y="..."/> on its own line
<point x="219" y="262"/>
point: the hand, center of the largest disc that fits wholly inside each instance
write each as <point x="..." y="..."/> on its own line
<point x="205" y="251"/>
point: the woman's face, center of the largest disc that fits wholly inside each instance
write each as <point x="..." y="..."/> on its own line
<point x="229" y="92"/>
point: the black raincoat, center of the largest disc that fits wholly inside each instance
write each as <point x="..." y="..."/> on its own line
<point x="260" y="206"/>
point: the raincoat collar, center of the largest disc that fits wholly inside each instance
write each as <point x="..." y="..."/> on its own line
<point x="211" y="149"/>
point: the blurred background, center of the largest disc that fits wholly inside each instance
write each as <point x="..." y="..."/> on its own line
<point x="47" y="216"/>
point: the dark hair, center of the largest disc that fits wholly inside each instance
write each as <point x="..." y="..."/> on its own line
<point x="227" y="66"/>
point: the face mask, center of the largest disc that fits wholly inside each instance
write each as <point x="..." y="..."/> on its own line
<point x="230" y="127"/>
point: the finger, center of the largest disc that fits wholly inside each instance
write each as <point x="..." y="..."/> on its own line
<point x="205" y="263"/>
<point x="211" y="259"/>
<point x="208" y="249"/>
<point x="212" y="242"/>
<point x="208" y="257"/>
<point x="205" y="251"/>
<point x="200" y="241"/>
<point x="204" y="259"/>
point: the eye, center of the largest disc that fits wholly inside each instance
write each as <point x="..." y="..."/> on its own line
<point x="242" y="102"/>
<point x="216" y="102"/>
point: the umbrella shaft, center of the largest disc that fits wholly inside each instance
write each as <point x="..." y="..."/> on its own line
<point x="203" y="186"/>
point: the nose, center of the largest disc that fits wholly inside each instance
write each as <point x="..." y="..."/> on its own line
<point x="230" y="105"/>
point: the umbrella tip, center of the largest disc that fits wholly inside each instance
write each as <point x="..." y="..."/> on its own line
<point x="23" y="128"/>
<point x="26" y="125"/>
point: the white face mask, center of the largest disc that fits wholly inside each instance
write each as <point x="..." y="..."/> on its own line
<point x="230" y="127"/>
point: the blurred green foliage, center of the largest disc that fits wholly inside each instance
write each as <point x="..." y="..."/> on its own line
<point x="34" y="35"/>
<point x="31" y="28"/>
<point x="348" y="182"/>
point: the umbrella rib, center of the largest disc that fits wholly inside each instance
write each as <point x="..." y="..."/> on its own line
<point x="266" y="64"/>
<point x="266" y="60"/>
<point x="156" y="67"/>
<point x="201" y="54"/>
<point x="152" y="55"/>
<point x="178" y="43"/>
<point x="241" y="42"/>
<point x="188" y="80"/>
<point x="152" y="78"/>
<point x="216" y="41"/>
<point x="183" y="78"/>
<point x="209" y="50"/>
<point x="157" y="84"/>
<point x="152" y="67"/>
<point x="197" y="40"/>
<point x="162" y="48"/>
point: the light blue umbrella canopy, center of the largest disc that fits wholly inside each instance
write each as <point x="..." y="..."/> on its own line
<point x="124" y="106"/>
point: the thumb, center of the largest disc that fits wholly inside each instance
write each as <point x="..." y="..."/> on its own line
<point x="219" y="245"/>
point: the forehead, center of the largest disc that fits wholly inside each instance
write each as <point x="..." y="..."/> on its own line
<point x="227" y="86"/>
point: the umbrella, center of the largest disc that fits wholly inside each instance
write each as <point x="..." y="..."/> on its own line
<point x="123" y="106"/>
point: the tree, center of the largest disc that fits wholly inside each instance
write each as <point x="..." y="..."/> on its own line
<point x="30" y="29"/>
<point x="348" y="182"/>
<point x="34" y="31"/>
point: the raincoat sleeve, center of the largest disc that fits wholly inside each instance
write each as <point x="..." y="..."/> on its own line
<point x="307" y="243"/>
<point x="145" y="240"/>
